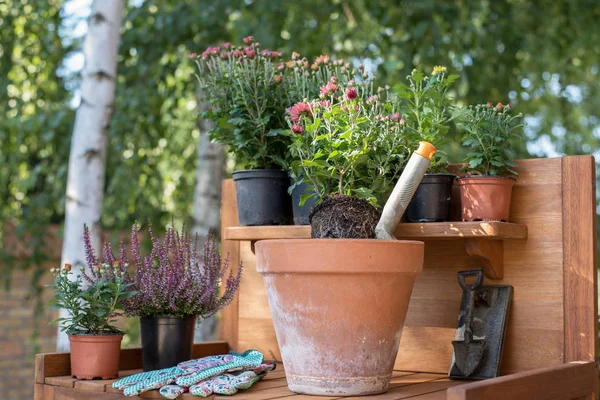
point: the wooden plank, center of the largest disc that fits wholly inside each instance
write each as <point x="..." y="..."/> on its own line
<point x="580" y="258"/>
<point x="496" y="230"/>
<point x="61" y="393"/>
<point x="267" y="232"/>
<point x="565" y="381"/>
<point x="413" y="390"/>
<point x="62" y="381"/>
<point x="230" y="249"/>
<point x="52" y="364"/>
<point x="266" y="394"/>
<point x="439" y="395"/>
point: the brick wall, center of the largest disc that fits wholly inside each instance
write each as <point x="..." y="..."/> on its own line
<point x="16" y="329"/>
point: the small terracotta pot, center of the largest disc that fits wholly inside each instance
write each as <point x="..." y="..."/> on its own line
<point x="95" y="356"/>
<point x="339" y="306"/>
<point x="485" y="198"/>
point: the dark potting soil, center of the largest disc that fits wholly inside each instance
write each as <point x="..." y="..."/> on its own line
<point x="344" y="217"/>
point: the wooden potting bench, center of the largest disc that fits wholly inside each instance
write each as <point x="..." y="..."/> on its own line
<point x="547" y="253"/>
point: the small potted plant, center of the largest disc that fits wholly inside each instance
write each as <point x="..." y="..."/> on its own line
<point x="304" y="80"/>
<point x="92" y="308"/>
<point x="175" y="285"/>
<point x="428" y="113"/>
<point x="335" y="291"/>
<point x="244" y="87"/>
<point x="489" y="132"/>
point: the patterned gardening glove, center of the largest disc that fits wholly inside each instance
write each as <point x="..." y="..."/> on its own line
<point x="230" y="383"/>
<point x="187" y="373"/>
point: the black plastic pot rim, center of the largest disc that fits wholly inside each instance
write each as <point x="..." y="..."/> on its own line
<point x="168" y="318"/>
<point x="259" y="173"/>
<point x="441" y="174"/>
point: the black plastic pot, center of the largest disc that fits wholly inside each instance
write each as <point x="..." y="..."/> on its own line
<point x="166" y="341"/>
<point x="301" y="212"/>
<point x="262" y="197"/>
<point x="431" y="202"/>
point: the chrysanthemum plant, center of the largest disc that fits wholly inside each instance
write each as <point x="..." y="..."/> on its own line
<point x="427" y="109"/>
<point x="349" y="142"/>
<point x="249" y="89"/>
<point x="489" y="132"/>
<point x="175" y="279"/>
<point x="93" y="299"/>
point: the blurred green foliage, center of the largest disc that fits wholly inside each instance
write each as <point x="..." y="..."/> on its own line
<point x="542" y="56"/>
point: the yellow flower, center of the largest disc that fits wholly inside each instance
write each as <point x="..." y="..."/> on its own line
<point x="438" y="69"/>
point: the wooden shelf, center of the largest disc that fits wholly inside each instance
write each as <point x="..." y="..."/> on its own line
<point x="484" y="240"/>
<point x="434" y="230"/>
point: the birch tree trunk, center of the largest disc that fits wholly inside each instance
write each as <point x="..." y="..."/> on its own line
<point x="207" y="201"/>
<point x="87" y="159"/>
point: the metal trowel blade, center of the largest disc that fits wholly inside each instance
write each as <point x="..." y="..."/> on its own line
<point x="468" y="355"/>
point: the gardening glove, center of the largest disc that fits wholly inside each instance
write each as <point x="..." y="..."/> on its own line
<point x="187" y="373"/>
<point x="230" y="382"/>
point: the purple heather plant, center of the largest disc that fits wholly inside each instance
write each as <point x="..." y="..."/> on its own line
<point x="175" y="280"/>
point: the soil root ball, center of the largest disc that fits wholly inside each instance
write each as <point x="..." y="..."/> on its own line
<point x="344" y="217"/>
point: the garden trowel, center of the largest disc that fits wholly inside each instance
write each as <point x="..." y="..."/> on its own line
<point x="468" y="352"/>
<point x="404" y="190"/>
<point x="482" y="322"/>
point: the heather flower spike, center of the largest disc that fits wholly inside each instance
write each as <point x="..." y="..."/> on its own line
<point x="175" y="279"/>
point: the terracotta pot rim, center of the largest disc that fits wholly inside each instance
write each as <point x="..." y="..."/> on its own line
<point x="339" y="257"/>
<point x="484" y="177"/>
<point x="485" y="181"/>
<point x="115" y="337"/>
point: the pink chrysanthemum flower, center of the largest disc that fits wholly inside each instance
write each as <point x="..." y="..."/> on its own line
<point x="237" y="53"/>
<point x="248" y="39"/>
<point x="351" y="93"/>
<point x="251" y="53"/>
<point x="371" y="99"/>
<point x="266" y="53"/>
<point x="297" y="129"/>
<point x="298" y="110"/>
<point x="328" y="89"/>
<point x="227" y="45"/>
<point x="395" y="117"/>
<point x="402" y="121"/>
<point x="192" y="56"/>
<point x="295" y="56"/>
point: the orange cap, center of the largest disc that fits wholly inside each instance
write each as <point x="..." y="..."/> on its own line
<point x="426" y="150"/>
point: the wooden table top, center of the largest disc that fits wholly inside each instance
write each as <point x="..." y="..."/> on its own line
<point x="404" y="385"/>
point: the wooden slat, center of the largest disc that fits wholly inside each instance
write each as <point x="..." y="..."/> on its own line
<point x="102" y="385"/>
<point x="62" y="381"/>
<point x="61" y="393"/>
<point x="565" y="381"/>
<point x="440" y="230"/>
<point x="230" y="249"/>
<point x="412" y="390"/>
<point x="266" y="394"/>
<point x="580" y="262"/>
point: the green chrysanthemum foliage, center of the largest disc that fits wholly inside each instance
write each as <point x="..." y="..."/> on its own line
<point x="489" y="135"/>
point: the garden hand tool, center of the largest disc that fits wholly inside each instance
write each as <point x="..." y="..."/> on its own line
<point x="188" y="373"/>
<point x="468" y="352"/>
<point x="479" y="339"/>
<point x="404" y="190"/>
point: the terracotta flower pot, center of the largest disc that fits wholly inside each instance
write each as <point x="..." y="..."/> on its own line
<point x="485" y="198"/>
<point x="339" y="306"/>
<point x="95" y="356"/>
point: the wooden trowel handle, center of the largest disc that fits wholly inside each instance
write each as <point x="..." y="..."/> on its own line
<point x="404" y="190"/>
